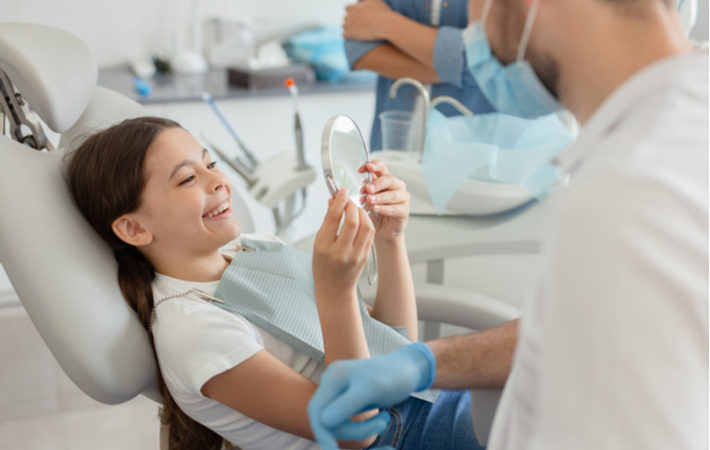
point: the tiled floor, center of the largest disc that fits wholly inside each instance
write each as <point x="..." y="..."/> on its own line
<point x="130" y="426"/>
<point x="42" y="409"/>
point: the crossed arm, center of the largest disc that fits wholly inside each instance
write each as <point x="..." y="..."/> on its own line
<point x="409" y="51"/>
<point x="391" y="62"/>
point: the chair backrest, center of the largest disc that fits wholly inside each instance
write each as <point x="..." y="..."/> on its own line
<point x="63" y="272"/>
<point x="65" y="277"/>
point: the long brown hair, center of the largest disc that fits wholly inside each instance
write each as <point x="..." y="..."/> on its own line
<point x="106" y="177"/>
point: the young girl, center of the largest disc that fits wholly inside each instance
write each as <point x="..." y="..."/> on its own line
<point x="153" y="194"/>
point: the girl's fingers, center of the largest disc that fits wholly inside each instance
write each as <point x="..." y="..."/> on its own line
<point x="336" y="207"/>
<point x="399" y="211"/>
<point x="391" y="210"/>
<point x="365" y="233"/>
<point x="385" y="182"/>
<point x="362" y="198"/>
<point x="349" y="230"/>
<point x="376" y="167"/>
<point x="388" y="197"/>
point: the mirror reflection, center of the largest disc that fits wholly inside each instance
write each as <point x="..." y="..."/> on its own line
<point x="344" y="157"/>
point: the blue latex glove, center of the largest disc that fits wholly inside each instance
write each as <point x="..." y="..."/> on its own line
<point x="351" y="387"/>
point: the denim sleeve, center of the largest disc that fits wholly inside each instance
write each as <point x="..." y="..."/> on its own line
<point x="355" y="50"/>
<point x="449" y="55"/>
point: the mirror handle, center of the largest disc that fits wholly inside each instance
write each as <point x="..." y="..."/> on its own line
<point x="372" y="279"/>
<point x="331" y="185"/>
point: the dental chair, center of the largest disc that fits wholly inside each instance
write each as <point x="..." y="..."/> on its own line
<point x="63" y="273"/>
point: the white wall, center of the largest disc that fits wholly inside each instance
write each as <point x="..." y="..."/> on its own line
<point x="119" y="29"/>
<point x="700" y="31"/>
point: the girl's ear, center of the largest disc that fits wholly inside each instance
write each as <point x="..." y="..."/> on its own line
<point x="130" y="231"/>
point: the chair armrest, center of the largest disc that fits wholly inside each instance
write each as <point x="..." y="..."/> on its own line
<point x="454" y="306"/>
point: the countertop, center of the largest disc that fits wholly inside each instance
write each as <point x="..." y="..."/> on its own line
<point x="430" y="238"/>
<point x="188" y="88"/>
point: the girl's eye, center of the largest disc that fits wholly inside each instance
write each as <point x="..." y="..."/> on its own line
<point x="212" y="165"/>
<point x="187" y="180"/>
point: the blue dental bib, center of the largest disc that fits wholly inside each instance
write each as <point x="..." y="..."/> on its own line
<point x="272" y="287"/>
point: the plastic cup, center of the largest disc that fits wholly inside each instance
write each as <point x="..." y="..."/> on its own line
<point x="399" y="129"/>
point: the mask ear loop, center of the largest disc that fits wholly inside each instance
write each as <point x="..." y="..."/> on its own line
<point x="527" y="31"/>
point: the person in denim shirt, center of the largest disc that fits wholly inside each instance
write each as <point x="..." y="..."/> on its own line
<point x="420" y="39"/>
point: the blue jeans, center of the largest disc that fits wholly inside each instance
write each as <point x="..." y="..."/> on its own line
<point x="419" y="425"/>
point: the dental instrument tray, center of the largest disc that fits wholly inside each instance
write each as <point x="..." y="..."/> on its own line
<point x="274" y="76"/>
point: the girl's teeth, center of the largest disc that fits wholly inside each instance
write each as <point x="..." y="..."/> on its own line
<point x="221" y="209"/>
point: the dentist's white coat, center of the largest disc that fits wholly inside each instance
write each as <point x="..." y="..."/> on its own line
<point x="613" y="349"/>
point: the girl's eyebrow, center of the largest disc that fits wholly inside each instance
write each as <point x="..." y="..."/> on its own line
<point x="187" y="162"/>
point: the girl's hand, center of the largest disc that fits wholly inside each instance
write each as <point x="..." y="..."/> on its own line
<point x="365" y="20"/>
<point x="388" y="197"/>
<point x="338" y="259"/>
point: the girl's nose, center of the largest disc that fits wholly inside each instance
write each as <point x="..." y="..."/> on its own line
<point x="219" y="181"/>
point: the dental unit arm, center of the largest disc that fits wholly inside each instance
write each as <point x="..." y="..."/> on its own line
<point x="18" y="113"/>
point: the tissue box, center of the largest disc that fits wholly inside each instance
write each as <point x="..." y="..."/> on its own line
<point x="275" y="76"/>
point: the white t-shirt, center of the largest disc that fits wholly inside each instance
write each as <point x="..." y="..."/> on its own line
<point x="196" y="340"/>
<point x="613" y="347"/>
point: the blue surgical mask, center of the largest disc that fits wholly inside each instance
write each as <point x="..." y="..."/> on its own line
<point x="514" y="89"/>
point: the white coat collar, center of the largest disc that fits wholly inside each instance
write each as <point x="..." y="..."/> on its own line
<point x="620" y="104"/>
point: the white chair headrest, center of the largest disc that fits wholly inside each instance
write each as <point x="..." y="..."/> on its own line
<point x="53" y="70"/>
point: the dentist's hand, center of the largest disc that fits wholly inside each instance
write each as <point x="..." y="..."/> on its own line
<point x="338" y="259"/>
<point x="388" y="197"/>
<point x="350" y="387"/>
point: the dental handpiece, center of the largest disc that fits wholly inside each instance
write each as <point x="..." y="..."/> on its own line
<point x="252" y="159"/>
<point x="291" y="85"/>
<point x="235" y="163"/>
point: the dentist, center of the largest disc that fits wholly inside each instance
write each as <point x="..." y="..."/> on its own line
<point x="612" y="349"/>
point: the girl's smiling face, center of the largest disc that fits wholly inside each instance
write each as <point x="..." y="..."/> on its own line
<point x="186" y="203"/>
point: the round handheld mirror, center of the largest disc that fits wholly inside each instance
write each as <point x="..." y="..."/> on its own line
<point x="344" y="152"/>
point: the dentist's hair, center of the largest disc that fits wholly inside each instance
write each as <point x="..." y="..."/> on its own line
<point x="105" y="174"/>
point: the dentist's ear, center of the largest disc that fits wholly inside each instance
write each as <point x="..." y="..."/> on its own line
<point x="130" y="231"/>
